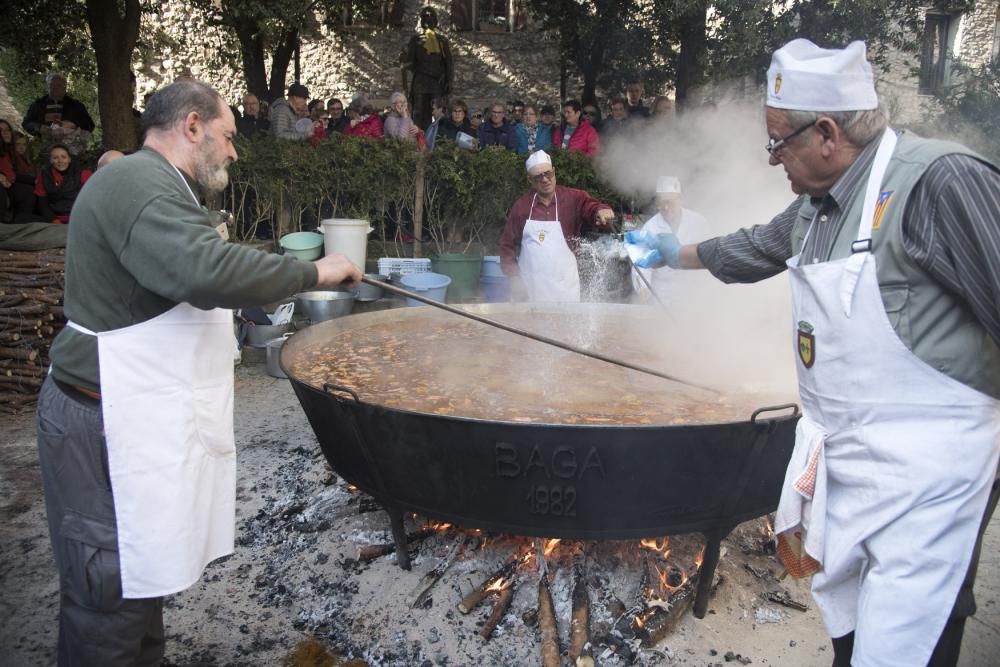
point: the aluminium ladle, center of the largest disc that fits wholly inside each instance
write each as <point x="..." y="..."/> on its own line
<point x="527" y="334"/>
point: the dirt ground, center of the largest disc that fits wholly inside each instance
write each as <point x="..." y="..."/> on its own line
<point x="293" y="575"/>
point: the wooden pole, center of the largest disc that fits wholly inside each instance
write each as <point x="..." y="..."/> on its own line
<point x="418" y="209"/>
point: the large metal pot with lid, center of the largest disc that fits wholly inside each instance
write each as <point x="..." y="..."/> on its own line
<point x="455" y="420"/>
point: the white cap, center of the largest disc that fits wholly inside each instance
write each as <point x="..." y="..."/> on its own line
<point x="667" y="185"/>
<point x="804" y="77"/>
<point x="538" y="158"/>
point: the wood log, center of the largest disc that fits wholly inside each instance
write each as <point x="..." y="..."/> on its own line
<point x="28" y="384"/>
<point x="14" y="320"/>
<point x="51" y="298"/>
<point x="8" y="397"/>
<point x="579" y="634"/>
<point x="499" y="609"/>
<point x="547" y="626"/>
<point x="661" y="619"/>
<point x="21" y="353"/>
<point x="419" y="595"/>
<point x="10" y="337"/>
<point x="373" y="551"/>
<point x="472" y="600"/>
<point x="25" y="309"/>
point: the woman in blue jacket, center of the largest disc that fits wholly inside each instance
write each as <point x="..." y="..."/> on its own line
<point x="532" y="135"/>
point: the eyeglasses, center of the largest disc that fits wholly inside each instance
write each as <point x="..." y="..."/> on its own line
<point x="544" y="176"/>
<point x="774" y="146"/>
<point x="478" y="115"/>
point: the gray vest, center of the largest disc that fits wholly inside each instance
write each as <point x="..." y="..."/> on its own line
<point x="938" y="328"/>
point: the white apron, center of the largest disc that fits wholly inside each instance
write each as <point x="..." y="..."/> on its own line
<point x="167" y="403"/>
<point x="547" y="265"/>
<point x="892" y="465"/>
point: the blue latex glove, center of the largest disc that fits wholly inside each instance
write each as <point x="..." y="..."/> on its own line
<point x="662" y="249"/>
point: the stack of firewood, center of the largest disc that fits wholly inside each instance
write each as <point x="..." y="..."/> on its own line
<point x="31" y="314"/>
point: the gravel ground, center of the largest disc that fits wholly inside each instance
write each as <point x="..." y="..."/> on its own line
<point x="294" y="576"/>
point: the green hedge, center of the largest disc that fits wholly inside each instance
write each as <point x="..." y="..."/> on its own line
<point x="289" y="186"/>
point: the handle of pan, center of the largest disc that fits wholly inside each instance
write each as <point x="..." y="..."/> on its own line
<point x="331" y="388"/>
<point x="794" y="407"/>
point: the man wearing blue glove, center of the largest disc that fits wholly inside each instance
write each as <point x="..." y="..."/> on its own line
<point x="893" y="251"/>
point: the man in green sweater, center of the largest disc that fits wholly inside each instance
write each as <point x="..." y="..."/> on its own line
<point x="135" y="429"/>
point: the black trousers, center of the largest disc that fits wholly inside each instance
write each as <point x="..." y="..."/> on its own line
<point x="950" y="643"/>
<point x="97" y="627"/>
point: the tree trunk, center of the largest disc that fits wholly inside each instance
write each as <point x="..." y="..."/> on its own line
<point x="252" y="48"/>
<point x="114" y="36"/>
<point x="279" y="62"/>
<point x="691" y="63"/>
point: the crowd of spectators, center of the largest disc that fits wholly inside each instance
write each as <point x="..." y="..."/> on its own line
<point x="44" y="190"/>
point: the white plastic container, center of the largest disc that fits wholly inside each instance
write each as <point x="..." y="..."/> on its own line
<point x="347" y="237"/>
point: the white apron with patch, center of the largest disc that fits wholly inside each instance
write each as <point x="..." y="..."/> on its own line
<point x="892" y="465"/>
<point x="547" y="265"/>
<point x="167" y="403"/>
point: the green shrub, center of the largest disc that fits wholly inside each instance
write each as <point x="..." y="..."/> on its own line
<point x="288" y="186"/>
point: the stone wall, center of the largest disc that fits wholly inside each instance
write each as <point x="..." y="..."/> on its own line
<point x="345" y="61"/>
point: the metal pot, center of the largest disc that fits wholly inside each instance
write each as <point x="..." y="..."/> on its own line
<point x="273" y="363"/>
<point x="323" y="305"/>
<point x="366" y="292"/>
<point x="259" y="334"/>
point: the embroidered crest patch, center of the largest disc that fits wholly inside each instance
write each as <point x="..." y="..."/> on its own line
<point x="541" y="236"/>
<point x="806" y="344"/>
<point x="777" y="84"/>
<point x="880" y="206"/>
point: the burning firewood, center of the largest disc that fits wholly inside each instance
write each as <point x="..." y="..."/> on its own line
<point x="479" y="593"/>
<point x="499" y="609"/>
<point x="661" y="616"/>
<point x="579" y="644"/>
<point x="547" y="626"/>
<point x="373" y="551"/>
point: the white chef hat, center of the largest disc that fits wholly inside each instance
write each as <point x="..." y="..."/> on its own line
<point x="668" y="185"/>
<point x="805" y="77"/>
<point x="536" y="159"/>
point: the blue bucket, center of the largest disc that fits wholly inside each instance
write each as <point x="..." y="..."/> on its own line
<point x="496" y="289"/>
<point x="430" y="285"/>
<point x="491" y="267"/>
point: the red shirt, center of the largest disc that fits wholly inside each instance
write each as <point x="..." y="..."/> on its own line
<point x="7" y="168"/>
<point x="576" y="208"/>
<point x="369" y="127"/>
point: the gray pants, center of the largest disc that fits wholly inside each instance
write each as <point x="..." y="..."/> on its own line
<point x="97" y="627"/>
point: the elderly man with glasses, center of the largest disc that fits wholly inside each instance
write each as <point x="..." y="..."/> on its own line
<point x="537" y="248"/>
<point x="496" y="130"/>
<point x="893" y="251"/>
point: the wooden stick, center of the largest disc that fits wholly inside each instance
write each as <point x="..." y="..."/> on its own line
<point x="419" y="594"/>
<point x="373" y="551"/>
<point x="472" y="600"/>
<point x="499" y="609"/>
<point x="579" y="633"/>
<point x="547" y="626"/>
<point x="18" y="353"/>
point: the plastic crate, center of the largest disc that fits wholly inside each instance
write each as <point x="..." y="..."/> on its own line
<point x="403" y="265"/>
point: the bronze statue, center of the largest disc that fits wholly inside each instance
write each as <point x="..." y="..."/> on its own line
<point x="427" y="67"/>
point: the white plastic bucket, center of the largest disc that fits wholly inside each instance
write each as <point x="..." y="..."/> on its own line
<point x="347" y="237"/>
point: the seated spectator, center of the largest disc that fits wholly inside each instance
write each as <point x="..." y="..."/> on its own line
<point x="633" y="100"/>
<point x="457" y="121"/>
<point x="398" y="123"/>
<point x="252" y="122"/>
<point x="496" y="131"/>
<point x="56" y="110"/>
<point x="592" y="115"/>
<point x="531" y="134"/>
<point x="575" y="133"/>
<point x="58" y="185"/>
<point x="17" y="176"/>
<point x="286" y="113"/>
<point x="319" y="119"/>
<point x="439" y="108"/>
<point x="338" y="119"/>
<point x="313" y="105"/>
<point x="616" y="125"/>
<point x="364" y="122"/>
<point x="547" y="116"/>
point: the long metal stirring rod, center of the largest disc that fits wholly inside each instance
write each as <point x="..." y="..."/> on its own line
<point x="527" y="334"/>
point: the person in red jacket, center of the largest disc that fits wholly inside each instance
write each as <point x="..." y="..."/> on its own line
<point x="364" y="123"/>
<point x="575" y="133"/>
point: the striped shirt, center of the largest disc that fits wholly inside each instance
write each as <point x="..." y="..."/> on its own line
<point x="951" y="229"/>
